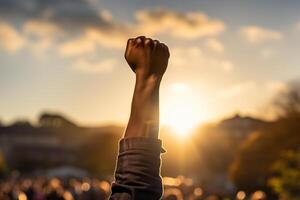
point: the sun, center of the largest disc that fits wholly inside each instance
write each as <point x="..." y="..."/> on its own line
<point x="181" y="120"/>
<point x="181" y="109"/>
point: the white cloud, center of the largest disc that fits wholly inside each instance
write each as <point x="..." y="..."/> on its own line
<point x="298" y="25"/>
<point x="77" y="47"/>
<point x="188" y="25"/>
<point x="256" y="35"/>
<point x="80" y="37"/>
<point x="247" y="88"/>
<point x="275" y="87"/>
<point x="41" y="35"/>
<point x="105" y="15"/>
<point x="88" y="66"/>
<point x="41" y="28"/>
<point x="10" y="39"/>
<point x="237" y="90"/>
<point x="90" y="40"/>
<point x="73" y="35"/>
<point x="215" y="45"/>
<point x="110" y="39"/>
<point x="226" y="65"/>
<point x="83" y="40"/>
<point x="194" y="56"/>
<point x="267" y="52"/>
<point x="150" y="22"/>
<point x="181" y="56"/>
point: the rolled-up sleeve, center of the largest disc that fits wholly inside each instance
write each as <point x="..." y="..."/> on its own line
<point x="137" y="174"/>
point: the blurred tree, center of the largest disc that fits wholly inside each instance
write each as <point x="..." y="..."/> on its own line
<point x="286" y="179"/>
<point x="217" y="146"/>
<point x="252" y="165"/>
<point x="3" y="166"/>
<point x="287" y="101"/>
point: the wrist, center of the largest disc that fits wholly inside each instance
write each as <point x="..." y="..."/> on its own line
<point x="148" y="82"/>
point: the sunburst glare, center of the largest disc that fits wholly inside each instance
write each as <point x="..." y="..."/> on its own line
<point x="181" y="110"/>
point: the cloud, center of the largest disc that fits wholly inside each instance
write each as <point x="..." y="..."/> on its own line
<point x="237" y="90"/>
<point x="75" y="18"/>
<point x="77" y="47"/>
<point x="149" y="22"/>
<point x="215" y="45"/>
<point x="110" y="38"/>
<point x="87" y="66"/>
<point x="275" y="86"/>
<point x="194" y="56"/>
<point x="41" y="28"/>
<point x="88" y="42"/>
<point x="68" y="14"/>
<point x="10" y="39"/>
<point x="226" y="65"/>
<point x="188" y="25"/>
<point x="73" y="28"/>
<point x="298" y="25"/>
<point x="267" y="88"/>
<point x="256" y="35"/>
<point x="180" y="56"/>
<point x="42" y="35"/>
<point x="45" y="33"/>
<point x="106" y="15"/>
<point x="267" y="52"/>
<point x="78" y="27"/>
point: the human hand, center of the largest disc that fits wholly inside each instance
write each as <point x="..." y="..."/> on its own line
<point x="147" y="58"/>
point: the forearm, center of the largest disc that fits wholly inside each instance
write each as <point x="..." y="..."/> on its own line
<point x="144" y="117"/>
<point x="137" y="173"/>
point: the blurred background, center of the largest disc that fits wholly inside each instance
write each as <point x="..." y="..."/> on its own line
<point x="230" y="100"/>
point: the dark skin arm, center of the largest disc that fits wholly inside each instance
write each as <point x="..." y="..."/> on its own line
<point x="137" y="174"/>
<point x="148" y="59"/>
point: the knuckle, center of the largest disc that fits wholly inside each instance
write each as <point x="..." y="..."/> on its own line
<point x="138" y="40"/>
<point x="148" y="42"/>
<point x="130" y="40"/>
<point x="156" y="44"/>
<point x="164" y="46"/>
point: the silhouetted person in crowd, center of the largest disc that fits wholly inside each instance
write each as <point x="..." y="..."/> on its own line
<point x="213" y="197"/>
<point x="137" y="173"/>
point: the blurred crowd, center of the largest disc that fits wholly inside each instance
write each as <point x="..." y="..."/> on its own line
<point x="182" y="188"/>
<point x="42" y="188"/>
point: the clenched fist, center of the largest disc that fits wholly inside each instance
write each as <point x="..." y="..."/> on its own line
<point x="147" y="57"/>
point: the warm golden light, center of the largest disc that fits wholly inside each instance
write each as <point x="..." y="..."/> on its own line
<point x="181" y="120"/>
<point x="85" y="186"/>
<point x="22" y="196"/>
<point x="241" y="195"/>
<point x="180" y="111"/>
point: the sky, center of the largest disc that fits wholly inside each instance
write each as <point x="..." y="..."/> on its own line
<point x="67" y="56"/>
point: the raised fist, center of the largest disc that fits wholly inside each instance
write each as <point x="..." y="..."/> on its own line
<point x="147" y="57"/>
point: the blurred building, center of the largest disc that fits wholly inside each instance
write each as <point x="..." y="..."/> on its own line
<point x="240" y="126"/>
<point x="53" y="142"/>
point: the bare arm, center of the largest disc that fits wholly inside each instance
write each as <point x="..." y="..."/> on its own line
<point x="137" y="173"/>
<point x="149" y="60"/>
